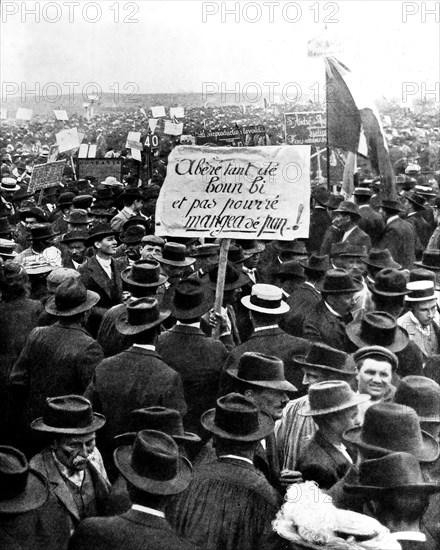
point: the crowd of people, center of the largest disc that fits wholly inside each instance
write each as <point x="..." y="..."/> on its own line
<point x="136" y="415"/>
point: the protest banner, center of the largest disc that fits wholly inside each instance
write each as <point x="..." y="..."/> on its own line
<point x="152" y="123"/>
<point x="24" y="114"/>
<point x="244" y="193"/>
<point x="68" y="140"/>
<point x="99" y="168"/>
<point x="187" y="139"/>
<point x="235" y="137"/>
<point x="173" y="129"/>
<point x="134" y="141"/>
<point x="61" y="114"/>
<point x="92" y="151"/>
<point x="46" y="175"/>
<point x="83" y="151"/>
<point x="158" y="111"/>
<point x="177" y="112"/>
<point x="306" y="128"/>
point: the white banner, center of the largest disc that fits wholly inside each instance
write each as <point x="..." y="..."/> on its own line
<point x="68" y="139"/>
<point x="177" y="112"/>
<point x="243" y="192"/>
<point x="158" y="111"/>
<point x="24" y="114"/>
<point x="61" y="115"/>
<point x="173" y="129"/>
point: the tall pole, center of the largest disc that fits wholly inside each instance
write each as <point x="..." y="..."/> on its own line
<point x="326" y="139"/>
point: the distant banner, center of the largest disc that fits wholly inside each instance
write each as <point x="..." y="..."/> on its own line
<point x="245" y="193"/>
<point x="3" y="114"/>
<point x="24" y="114"/>
<point x="99" y="168"/>
<point x="67" y="140"/>
<point x="46" y="175"/>
<point x="61" y="115"/>
<point x="235" y="137"/>
<point x="173" y="129"/>
<point x="305" y="128"/>
<point x="158" y="111"/>
<point x="177" y="112"/>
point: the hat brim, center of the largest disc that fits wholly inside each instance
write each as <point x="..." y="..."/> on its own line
<point x="400" y="342"/>
<point x="45" y="237"/>
<point x="429" y="488"/>
<point x="430" y="267"/>
<point x="357" y="287"/>
<point x="372" y="288"/>
<point x="391" y="263"/>
<point x="123" y="327"/>
<point x="190" y="313"/>
<point x="99" y="236"/>
<point x="421" y="298"/>
<point x="129" y="437"/>
<point x="421" y="206"/>
<point x="91" y="300"/>
<point x="34" y="495"/>
<point x="38" y="270"/>
<point x="131" y="240"/>
<point x="266" y="427"/>
<point x="98" y="422"/>
<point x="125" y="277"/>
<point x="355" y="400"/>
<point x="73" y="240"/>
<point x="184" y="263"/>
<point x="13" y="189"/>
<point x="284" y="307"/>
<point x="251" y="251"/>
<point x="174" y="486"/>
<point x="430" y="448"/>
<point x="282" y="385"/>
<point x="339" y="211"/>
<point x="301" y="361"/>
<point x="305" y="265"/>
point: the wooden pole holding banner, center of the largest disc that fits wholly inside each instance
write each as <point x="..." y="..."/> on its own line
<point x="223" y="260"/>
<point x="73" y="167"/>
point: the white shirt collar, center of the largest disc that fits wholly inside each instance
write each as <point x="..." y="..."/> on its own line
<point x="150" y="347"/>
<point x="389" y="220"/>
<point x="104" y="261"/>
<point x="418" y="324"/>
<point x="409" y="535"/>
<point x="129" y="210"/>
<point x="257" y="329"/>
<point x="195" y="325"/>
<point x="331" y="309"/>
<point x="147" y="510"/>
<point x="347" y="233"/>
<point x="238" y="458"/>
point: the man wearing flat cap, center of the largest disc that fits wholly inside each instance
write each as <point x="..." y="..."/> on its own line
<point x="155" y="471"/>
<point x="71" y="463"/>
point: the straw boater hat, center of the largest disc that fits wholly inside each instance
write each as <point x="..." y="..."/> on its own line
<point x="22" y="488"/>
<point x="144" y="273"/>
<point x="174" y="254"/>
<point x="378" y="328"/>
<point x="422" y="394"/>
<point x="7" y="248"/>
<point x="330" y="397"/>
<point x="112" y="182"/>
<point x="140" y="315"/>
<point x="266" y="299"/>
<point x="389" y="427"/>
<point x="71" y="298"/>
<point x="69" y="415"/>
<point x="236" y="417"/>
<point x="190" y="299"/>
<point x="261" y="370"/>
<point x="420" y="291"/>
<point x="153" y="464"/>
<point x="323" y="358"/>
<point x="9" y="184"/>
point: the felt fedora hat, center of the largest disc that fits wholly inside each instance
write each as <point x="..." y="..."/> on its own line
<point x="99" y="232"/>
<point x="74" y="236"/>
<point x="58" y="276"/>
<point x="137" y="220"/>
<point x="324" y="358"/>
<point x="317" y="263"/>
<point x="261" y="370"/>
<point x="338" y="281"/>
<point x="104" y="213"/>
<point x="334" y="201"/>
<point x="71" y="298"/>
<point x="161" y="419"/>
<point x="390" y="427"/>
<point x="422" y="394"/>
<point x="22" y="488"/>
<point x="266" y="299"/>
<point x="236" y="254"/>
<point x="83" y="202"/>
<point x="295" y="247"/>
<point x="153" y="464"/>
<point x="430" y="260"/>
<point x="389" y="282"/>
<point x="144" y="273"/>
<point x="140" y="315"/>
<point x="420" y="291"/>
<point x="347" y="207"/>
<point x="417" y="200"/>
<point x="321" y="195"/>
<point x="205" y="250"/>
<point x="381" y="258"/>
<point x="65" y="199"/>
<point x="347" y="249"/>
<point x="290" y="270"/>
<point x="391" y="204"/>
<point x="250" y="247"/>
<point x="236" y="417"/>
<point x="331" y="396"/>
<point x="68" y="414"/>
<point x="174" y="254"/>
<point x="393" y="472"/>
<point x="234" y="278"/>
<point x="378" y="328"/>
<point x="32" y="212"/>
<point x="78" y="217"/>
<point x="190" y="299"/>
<point x="133" y="235"/>
<point x="42" y="231"/>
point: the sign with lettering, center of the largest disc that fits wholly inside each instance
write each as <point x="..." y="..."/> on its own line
<point x="67" y="140"/>
<point x="305" y="128"/>
<point x="61" y="114"/>
<point x="235" y="137"/>
<point x="245" y="193"/>
<point x="100" y="168"/>
<point x="46" y="175"/>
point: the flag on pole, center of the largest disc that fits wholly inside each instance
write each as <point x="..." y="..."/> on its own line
<point x="350" y="114"/>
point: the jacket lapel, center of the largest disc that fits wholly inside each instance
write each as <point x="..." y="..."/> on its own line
<point x="100" y="277"/>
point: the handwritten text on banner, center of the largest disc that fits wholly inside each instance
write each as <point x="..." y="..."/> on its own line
<point x="247" y="193"/>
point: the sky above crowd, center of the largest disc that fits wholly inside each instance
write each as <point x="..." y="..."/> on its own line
<point x="196" y="46"/>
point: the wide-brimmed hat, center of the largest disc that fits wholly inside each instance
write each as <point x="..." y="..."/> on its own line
<point x="7" y="248"/>
<point x="111" y="181"/>
<point x="65" y="199"/>
<point x="236" y="417"/>
<point x="261" y="370"/>
<point x="9" y="184"/>
<point x="334" y="201"/>
<point x="236" y="254"/>
<point x="190" y="299"/>
<point x="295" y="247"/>
<point x="133" y="235"/>
<point x="83" y="202"/>
<point x="153" y="464"/>
<point x="389" y="427"/>
<point x="36" y="266"/>
<point x="68" y="414"/>
<point x="347" y="249"/>
<point x="266" y="299"/>
<point x="32" y="212"/>
<point x="362" y="192"/>
<point x="234" y="278"/>
<point x="132" y="193"/>
<point x="157" y="418"/>
<point x="391" y="204"/>
<point x="331" y="396"/>
<point x="316" y="263"/>
<point x="58" y="276"/>
<point x="290" y="270"/>
<point x="100" y="212"/>
<point x="71" y="298"/>
<point x="78" y="217"/>
<point x="417" y="200"/>
<point x="144" y="273"/>
<point x="22" y="488"/>
<point x="422" y="394"/>
<point x="42" y="231"/>
<point x="174" y="254"/>
<point x="381" y="259"/>
<point x="425" y="190"/>
<point x="338" y="281"/>
<point x="205" y="250"/>
<point x="389" y="282"/>
<point x="420" y="291"/>
<point x="347" y="207"/>
<point x="324" y="358"/>
<point x="99" y="232"/>
<point x="321" y="195"/>
<point x="393" y="472"/>
<point x="430" y="260"/>
<point x="378" y="328"/>
<point x="251" y="247"/>
<point x="140" y="315"/>
<point x="74" y="236"/>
